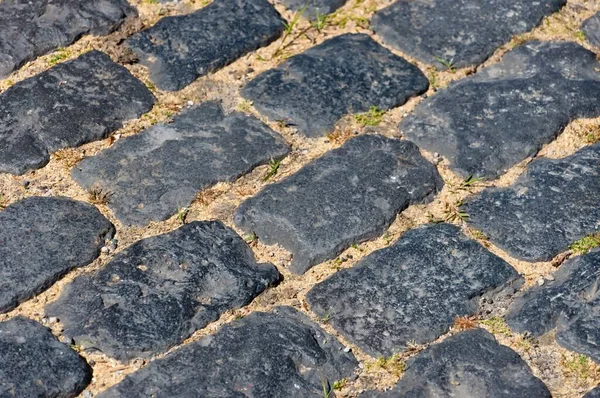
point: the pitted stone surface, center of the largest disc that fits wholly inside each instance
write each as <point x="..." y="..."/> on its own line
<point x="179" y="49"/>
<point x="349" y="195"/>
<point x="36" y="364"/>
<point x="412" y="290"/>
<point x="569" y="303"/>
<point x="153" y="174"/>
<point x="156" y="293"/>
<point x="41" y="239"/>
<point x="591" y="29"/>
<point x="487" y="123"/>
<point x="465" y="32"/>
<point x="314" y="8"/>
<point x="66" y="106"/>
<point x="281" y="354"/>
<point x="29" y="29"/>
<point x="347" y="74"/>
<point x="595" y="393"/>
<point x="553" y="204"/>
<point x="470" y="364"/>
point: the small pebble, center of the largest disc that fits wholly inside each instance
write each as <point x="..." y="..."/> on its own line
<point x="540" y="282"/>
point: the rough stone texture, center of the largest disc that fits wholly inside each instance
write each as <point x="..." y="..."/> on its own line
<point x="179" y="49"/>
<point x="66" y="106"/>
<point x="156" y="293"/>
<point x="314" y="8"/>
<point x="41" y="239"/>
<point x="595" y="393"/>
<point x="569" y="303"/>
<point x="349" y="195"/>
<point x="487" y="123"/>
<point x="281" y="354"/>
<point x="553" y="204"/>
<point x="470" y="364"/>
<point x="346" y="74"/>
<point x="591" y="29"/>
<point x="466" y="32"/>
<point x="36" y="364"/>
<point x="412" y="290"/>
<point x="29" y="29"/>
<point x="160" y="170"/>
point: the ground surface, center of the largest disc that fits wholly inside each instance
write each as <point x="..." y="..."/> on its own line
<point x="365" y="256"/>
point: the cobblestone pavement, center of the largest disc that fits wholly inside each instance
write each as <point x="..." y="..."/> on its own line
<point x="350" y="198"/>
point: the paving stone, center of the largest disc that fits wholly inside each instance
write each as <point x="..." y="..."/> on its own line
<point x="153" y="174"/>
<point x="470" y="364"/>
<point x="36" y="364"/>
<point x="156" y="293"/>
<point x="66" y="106"/>
<point x="279" y="354"/>
<point x="29" y="29"/>
<point x="486" y="123"/>
<point x="412" y="290"/>
<point x="595" y="393"/>
<point x="553" y="204"/>
<point x="349" y="195"/>
<point x="179" y="49"/>
<point x="569" y="303"/>
<point x="591" y="29"/>
<point x="41" y="239"/>
<point x="465" y="32"/>
<point x="314" y="8"/>
<point x="347" y="74"/>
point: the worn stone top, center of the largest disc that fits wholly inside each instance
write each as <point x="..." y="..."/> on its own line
<point x="488" y="122"/>
<point x="314" y="9"/>
<point x="591" y="29"/>
<point x="459" y="32"/>
<point x="347" y="74"/>
<point x="179" y="49"/>
<point x="66" y="106"/>
<point x="30" y="28"/>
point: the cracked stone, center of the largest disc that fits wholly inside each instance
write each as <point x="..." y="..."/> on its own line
<point x="66" y="106"/>
<point x="486" y="123"/>
<point x="350" y="194"/>
<point x="29" y="29"/>
<point x="569" y="304"/>
<point x="463" y="32"/>
<point x="41" y="239"/>
<point x="553" y="204"/>
<point x="160" y="170"/>
<point x="412" y="290"/>
<point x="314" y="89"/>
<point x="156" y="293"/>
<point x="280" y="354"/>
<point x="469" y="364"/>
<point x="179" y="49"/>
<point x="36" y="364"/>
<point x="591" y="29"/>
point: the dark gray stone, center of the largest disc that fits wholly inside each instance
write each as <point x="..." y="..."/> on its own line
<point x="470" y="364"/>
<point x="41" y="239"/>
<point x="412" y="290"/>
<point x="487" y="123"/>
<point x="465" y="32"/>
<point x="347" y="74"/>
<point x="178" y="50"/>
<point x="570" y="303"/>
<point x="349" y="195"/>
<point x="591" y="29"/>
<point x="595" y="393"/>
<point x="66" y="106"/>
<point x="280" y="354"/>
<point x="314" y="8"/>
<point x="30" y="28"/>
<point x="156" y="293"/>
<point x="553" y="204"/>
<point x="36" y="364"/>
<point x="152" y="174"/>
